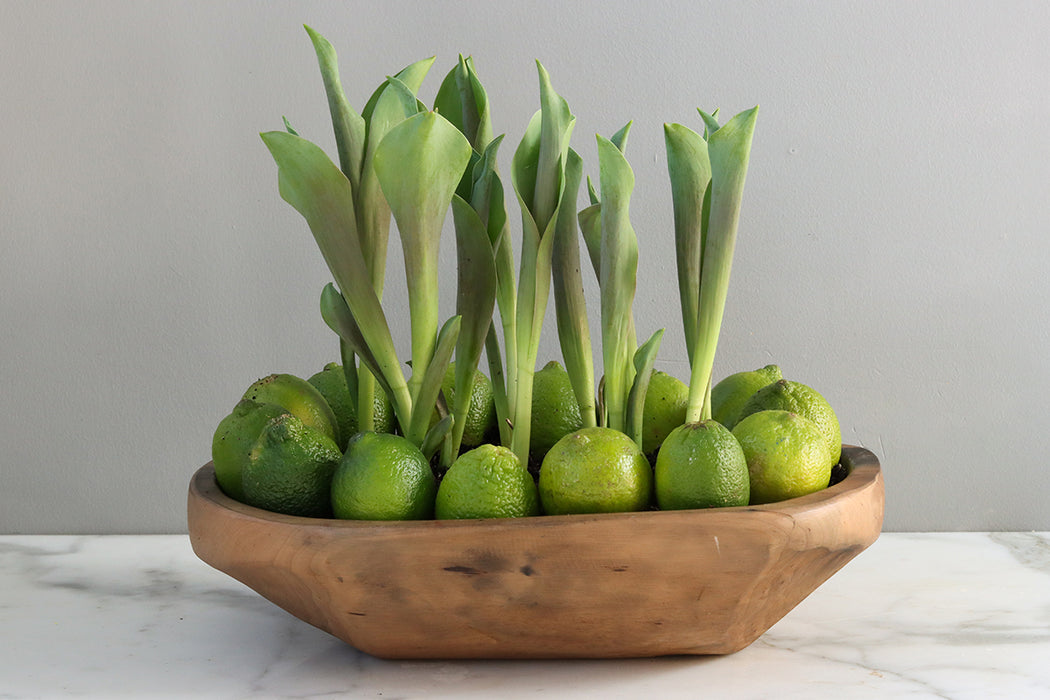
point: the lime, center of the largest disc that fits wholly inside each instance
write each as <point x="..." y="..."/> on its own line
<point x="555" y="411"/>
<point x="290" y="469"/>
<point x="701" y="465"/>
<point x="331" y="382"/>
<point x="729" y="395"/>
<point x="803" y="400"/>
<point x="383" y="477"/>
<point x="666" y="401"/>
<point x="234" y="438"/>
<point x="595" y="470"/>
<point x="786" y="455"/>
<point x="480" y="423"/>
<point x="487" y="482"/>
<point x="299" y="398"/>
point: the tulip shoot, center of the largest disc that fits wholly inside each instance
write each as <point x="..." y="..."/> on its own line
<point x="538" y="177"/>
<point x="707" y="184"/>
<point x="398" y="159"/>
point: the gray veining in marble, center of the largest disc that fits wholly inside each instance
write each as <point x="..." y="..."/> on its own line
<point x="915" y="616"/>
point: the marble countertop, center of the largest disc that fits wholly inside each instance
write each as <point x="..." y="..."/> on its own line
<point x="959" y="615"/>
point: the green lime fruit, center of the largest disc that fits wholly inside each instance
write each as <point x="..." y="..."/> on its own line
<point x="480" y="421"/>
<point x="595" y="470"/>
<point x="234" y="438"/>
<point x="786" y="455"/>
<point x="729" y="395"/>
<point x="487" y="482"/>
<point x="290" y="469"/>
<point x="806" y="402"/>
<point x="666" y="401"/>
<point x="299" y="398"/>
<point x="383" y="477"/>
<point x="331" y="382"/>
<point x="555" y="411"/>
<point x="701" y="465"/>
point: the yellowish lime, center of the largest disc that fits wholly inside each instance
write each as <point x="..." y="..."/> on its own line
<point x="729" y="395"/>
<point x="595" y="470"/>
<point x="701" y="465"/>
<point x="786" y="455"/>
<point x="807" y="402"/>
<point x="666" y="402"/>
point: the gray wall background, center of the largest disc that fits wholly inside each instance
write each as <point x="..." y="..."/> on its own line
<point x="893" y="246"/>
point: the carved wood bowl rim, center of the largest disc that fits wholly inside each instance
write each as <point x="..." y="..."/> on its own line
<point x="788" y="549"/>
<point x="862" y="464"/>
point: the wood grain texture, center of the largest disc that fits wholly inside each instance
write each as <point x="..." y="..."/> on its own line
<point x="610" y="585"/>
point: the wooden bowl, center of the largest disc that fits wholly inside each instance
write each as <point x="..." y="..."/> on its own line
<point x="609" y="585"/>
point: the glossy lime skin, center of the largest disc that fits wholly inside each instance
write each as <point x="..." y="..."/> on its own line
<point x="383" y="477"/>
<point x="595" y="470"/>
<point x="290" y="469"/>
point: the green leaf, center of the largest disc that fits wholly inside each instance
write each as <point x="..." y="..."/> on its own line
<point x="430" y="380"/>
<point x="487" y="199"/>
<point x="318" y="190"/>
<point x="418" y="164"/>
<point x="475" y="302"/>
<point x="730" y="149"/>
<point x="349" y="126"/>
<point x="619" y="265"/>
<point x="337" y="316"/>
<point x="499" y="386"/>
<point x="435" y="437"/>
<point x="537" y="173"/>
<point x="644" y="359"/>
<point x="462" y="100"/>
<point x="525" y="163"/>
<point x="412" y="76"/>
<point x="710" y="122"/>
<point x="395" y="102"/>
<point x="569" y="302"/>
<point x="484" y="134"/>
<point x="533" y="294"/>
<point x="689" y="169"/>
<point x="591" y="227"/>
<point x="555" y="131"/>
<point x="486" y="193"/>
<point x="619" y="139"/>
<point x="592" y="192"/>
<point x="534" y="280"/>
<point x="288" y="127"/>
<point x="349" y="360"/>
<point x="447" y="101"/>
